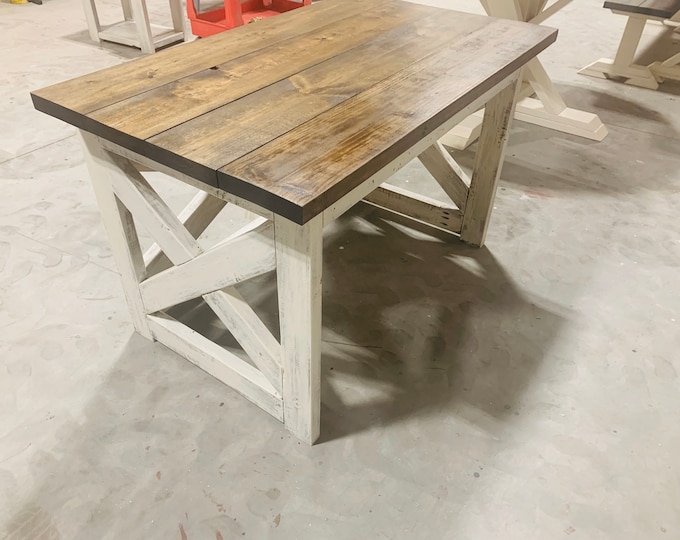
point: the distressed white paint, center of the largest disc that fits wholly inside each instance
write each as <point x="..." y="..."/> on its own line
<point x="447" y="172"/>
<point x="226" y="264"/>
<point x="135" y="29"/>
<point x="196" y="216"/>
<point x="153" y="214"/>
<point x="218" y="362"/>
<point x="93" y="24"/>
<point x="416" y="206"/>
<point x="487" y="167"/>
<point x="299" y="259"/>
<point x="358" y="193"/>
<point x="249" y="330"/>
<point x="119" y="226"/>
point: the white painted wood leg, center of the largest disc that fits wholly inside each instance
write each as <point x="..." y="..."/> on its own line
<point x="127" y="10"/>
<point x="623" y="64"/>
<point x="299" y="259"/>
<point x="448" y="174"/>
<point x="141" y="17"/>
<point x="668" y="69"/>
<point x="93" y="25"/>
<point x="487" y="166"/>
<point x="104" y="170"/>
<point x="549" y="109"/>
<point x="177" y="14"/>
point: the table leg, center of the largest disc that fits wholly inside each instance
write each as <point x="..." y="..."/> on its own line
<point x="487" y="166"/>
<point x="122" y="192"/>
<point x="119" y="226"/>
<point x="298" y="261"/>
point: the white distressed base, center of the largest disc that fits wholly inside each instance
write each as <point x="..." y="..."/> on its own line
<point x="633" y="74"/>
<point x="284" y="378"/>
<point x="624" y="66"/>
<point x="573" y="121"/>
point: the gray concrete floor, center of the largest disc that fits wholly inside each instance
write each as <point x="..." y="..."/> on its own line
<point x="527" y="390"/>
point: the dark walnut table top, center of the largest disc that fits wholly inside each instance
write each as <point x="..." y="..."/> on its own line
<point x="294" y="111"/>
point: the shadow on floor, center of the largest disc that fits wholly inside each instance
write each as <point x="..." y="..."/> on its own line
<point x="413" y="326"/>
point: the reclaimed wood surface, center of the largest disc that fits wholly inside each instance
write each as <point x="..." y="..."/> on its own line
<point x="293" y="112"/>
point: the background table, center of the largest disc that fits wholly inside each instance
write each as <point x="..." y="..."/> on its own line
<point x="296" y="118"/>
<point x="547" y="109"/>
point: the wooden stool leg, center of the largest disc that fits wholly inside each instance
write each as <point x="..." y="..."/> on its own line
<point x="92" y="19"/>
<point x="120" y="227"/>
<point x="298" y="262"/>
<point x="141" y="17"/>
<point x="488" y="164"/>
<point x="177" y="14"/>
<point x="127" y="10"/>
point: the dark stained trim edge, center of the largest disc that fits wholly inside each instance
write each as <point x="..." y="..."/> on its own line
<point x="271" y="201"/>
<point x="640" y="10"/>
<point x="191" y="168"/>
<point x="302" y="214"/>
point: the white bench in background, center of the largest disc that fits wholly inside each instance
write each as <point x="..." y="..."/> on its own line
<point x="623" y="65"/>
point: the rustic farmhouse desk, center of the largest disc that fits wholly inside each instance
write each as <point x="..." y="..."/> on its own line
<point x="296" y="118"/>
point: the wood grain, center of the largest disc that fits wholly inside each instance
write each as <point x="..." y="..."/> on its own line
<point x="297" y="177"/>
<point x="111" y="85"/>
<point x="145" y="115"/>
<point x="301" y="97"/>
<point x="300" y="110"/>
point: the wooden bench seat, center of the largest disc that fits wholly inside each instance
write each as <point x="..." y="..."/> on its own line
<point x="623" y="65"/>
<point x="658" y="9"/>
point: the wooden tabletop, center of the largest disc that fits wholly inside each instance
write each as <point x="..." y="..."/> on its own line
<point x="294" y="111"/>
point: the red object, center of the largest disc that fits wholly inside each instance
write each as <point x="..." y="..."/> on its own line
<point x="236" y="13"/>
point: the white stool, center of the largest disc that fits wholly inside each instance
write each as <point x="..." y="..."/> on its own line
<point x="136" y="30"/>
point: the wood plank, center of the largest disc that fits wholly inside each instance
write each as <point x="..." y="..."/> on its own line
<point x="119" y="226"/>
<point x="299" y="258"/>
<point x="167" y="168"/>
<point x="383" y="175"/>
<point x="416" y="206"/>
<point x="488" y="164"/>
<point x="196" y="216"/>
<point x="153" y="214"/>
<point x="218" y="362"/>
<point x="226" y="133"/>
<point x="95" y="90"/>
<point x="448" y="174"/>
<point x="662" y="9"/>
<point x="249" y="330"/>
<point x="298" y="178"/>
<point x="145" y="115"/>
<point x="230" y="262"/>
